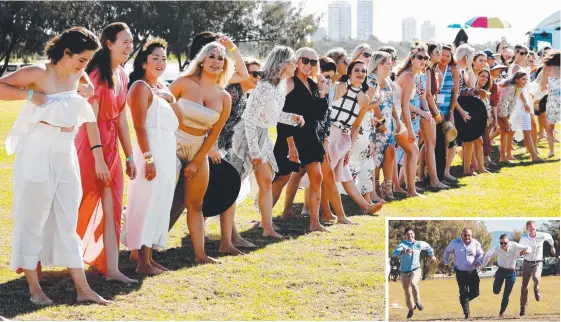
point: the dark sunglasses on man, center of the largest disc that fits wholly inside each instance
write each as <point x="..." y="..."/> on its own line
<point x="503" y="243"/>
<point x="307" y="61"/>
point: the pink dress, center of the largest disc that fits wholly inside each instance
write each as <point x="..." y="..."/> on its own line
<point x="91" y="217"/>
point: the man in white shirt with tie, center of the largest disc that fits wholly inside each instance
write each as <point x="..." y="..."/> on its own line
<point x="533" y="262"/>
<point x="506" y="252"/>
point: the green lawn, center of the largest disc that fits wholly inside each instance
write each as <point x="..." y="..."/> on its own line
<point x="335" y="276"/>
<point x="440" y="301"/>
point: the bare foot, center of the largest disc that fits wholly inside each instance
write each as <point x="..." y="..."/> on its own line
<point x="397" y="188"/>
<point x="288" y="215"/>
<point x="328" y="216"/>
<point x="91" y="296"/>
<point x="319" y="228"/>
<point x="240" y="242"/>
<point x="229" y="250"/>
<point x="468" y="174"/>
<point x="305" y="212"/>
<point x="439" y="185"/>
<point x="40" y="299"/>
<point x="483" y="171"/>
<point x="133" y="256"/>
<point x="119" y="277"/>
<point x="207" y="260"/>
<point x="157" y="265"/>
<point x="538" y="160"/>
<point x="344" y="221"/>
<point x="511" y="158"/>
<point x="260" y="225"/>
<point x="415" y="194"/>
<point x="374" y="208"/>
<point x="505" y="161"/>
<point x="272" y="233"/>
<point x="148" y="270"/>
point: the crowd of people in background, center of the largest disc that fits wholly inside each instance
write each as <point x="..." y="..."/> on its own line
<point x="342" y="120"/>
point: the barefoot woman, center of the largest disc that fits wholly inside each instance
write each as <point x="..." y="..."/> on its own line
<point x="99" y="219"/>
<point x="205" y="106"/>
<point x="46" y="175"/>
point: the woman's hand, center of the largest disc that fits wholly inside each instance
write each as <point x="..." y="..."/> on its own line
<point x="102" y="172"/>
<point x="131" y="169"/>
<point x="465" y="115"/>
<point x="150" y="171"/>
<point x="347" y="158"/>
<point x="226" y="42"/>
<point x="256" y="161"/>
<point x="293" y="154"/>
<point x="215" y="156"/>
<point x="326" y="148"/>
<point x="397" y="126"/>
<point x="426" y="115"/>
<point x="86" y="90"/>
<point x="382" y="128"/>
<point x="527" y="108"/>
<point x="165" y="95"/>
<point x="299" y="119"/>
<point x="322" y="83"/>
<point x="191" y="169"/>
<point x="411" y="135"/>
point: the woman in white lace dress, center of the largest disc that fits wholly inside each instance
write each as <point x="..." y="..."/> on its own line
<point x="252" y="147"/>
<point x="46" y="176"/>
<point x="550" y="81"/>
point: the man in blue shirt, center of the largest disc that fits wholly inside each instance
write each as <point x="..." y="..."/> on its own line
<point x="468" y="257"/>
<point x="409" y="252"/>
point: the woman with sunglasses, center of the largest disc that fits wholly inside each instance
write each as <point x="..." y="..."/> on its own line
<point x="299" y="149"/>
<point x="347" y="113"/>
<point x="405" y="132"/>
<point x="361" y="161"/>
<point x="239" y="91"/>
<point x="550" y="82"/>
<point x="252" y="147"/>
<point x="425" y="100"/>
<point x="328" y="70"/>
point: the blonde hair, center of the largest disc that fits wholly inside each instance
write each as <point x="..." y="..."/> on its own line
<point x="195" y="66"/>
<point x="378" y="57"/>
<point x="275" y="63"/>
<point x="414" y="51"/>
<point x="464" y="50"/>
<point x="359" y="50"/>
<point x="315" y="69"/>
<point x="248" y="61"/>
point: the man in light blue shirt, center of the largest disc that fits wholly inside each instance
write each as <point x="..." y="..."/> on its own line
<point x="468" y="257"/>
<point x="409" y="252"/>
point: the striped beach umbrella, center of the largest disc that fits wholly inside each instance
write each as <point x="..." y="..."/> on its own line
<point x="487" y="22"/>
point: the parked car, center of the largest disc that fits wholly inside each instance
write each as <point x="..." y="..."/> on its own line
<point x="488" y="271"/>
<point x="549" y="265"/>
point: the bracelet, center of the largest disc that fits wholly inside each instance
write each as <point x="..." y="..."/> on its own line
<point x="30" y="95"/>
<point x="95" y="147"/>
<point x="147" y="154"/>
<point x="130" y="159"/>
<point x="149" y="160"/>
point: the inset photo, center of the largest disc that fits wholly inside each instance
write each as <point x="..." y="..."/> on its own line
<point x="476" y="269"/>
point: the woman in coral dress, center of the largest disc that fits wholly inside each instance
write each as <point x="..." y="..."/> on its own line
<point x="99" y="219"/>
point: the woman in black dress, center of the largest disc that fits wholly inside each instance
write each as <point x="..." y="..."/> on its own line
<point x="299" y="149"/>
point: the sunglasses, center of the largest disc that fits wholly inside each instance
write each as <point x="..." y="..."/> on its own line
<point x="523" y="53"/>
<point x="366" y="55"/>
<point x="256" y="74"/>
<point x="503" y="243"/>
<point x="421" y="57"/>
<point x="307" y="61"/>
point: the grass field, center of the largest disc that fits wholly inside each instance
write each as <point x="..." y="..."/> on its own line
<point x="440" y="301"/>
<point x="309" y="276"/>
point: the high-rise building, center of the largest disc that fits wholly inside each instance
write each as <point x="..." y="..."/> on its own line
<point x="339" y="20"/>
<point x="364" y="15"/>
<point x="428" y="31"/>
<point x="409" y="29"/>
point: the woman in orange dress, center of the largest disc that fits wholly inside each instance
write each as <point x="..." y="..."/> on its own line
<point x="99" y="219"/>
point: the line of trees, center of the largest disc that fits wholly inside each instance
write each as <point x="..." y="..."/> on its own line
<point x="26" y="26"/>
